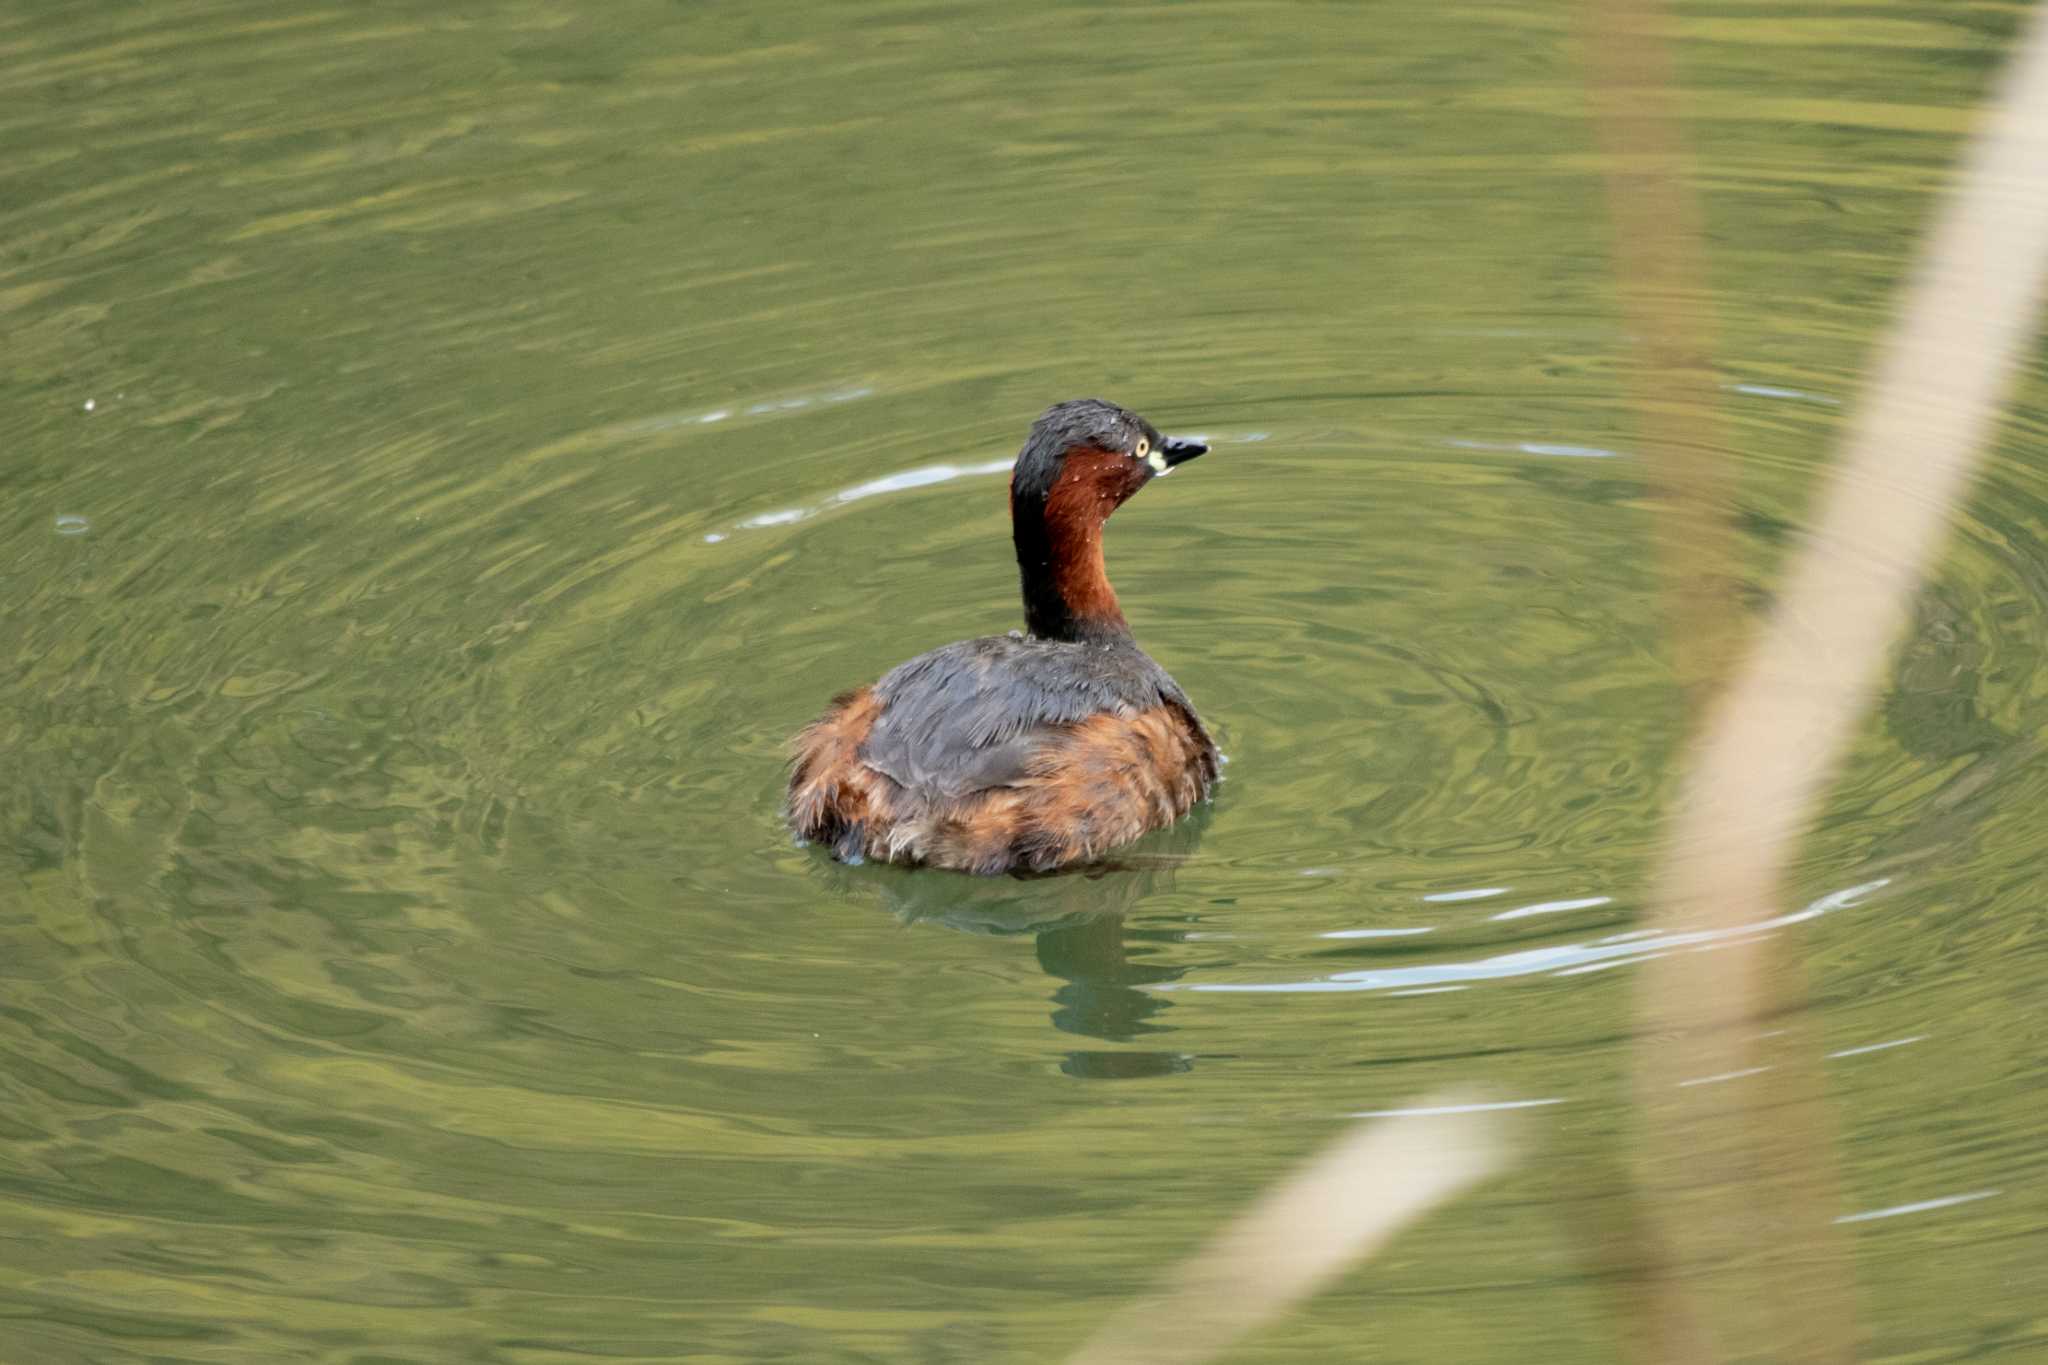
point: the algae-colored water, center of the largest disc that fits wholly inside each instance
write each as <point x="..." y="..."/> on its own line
<point x="444" y="451"/>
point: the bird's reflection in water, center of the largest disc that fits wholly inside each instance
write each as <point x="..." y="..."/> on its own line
<point x="1099" y="998"/>
<point x="1083" y="942"/>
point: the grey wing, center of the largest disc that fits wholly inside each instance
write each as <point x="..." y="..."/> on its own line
<point x="955" y="771"/>
<point x="969" y="717"/>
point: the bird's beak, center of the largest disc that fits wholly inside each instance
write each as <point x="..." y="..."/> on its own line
<point x="1181" y="449"/>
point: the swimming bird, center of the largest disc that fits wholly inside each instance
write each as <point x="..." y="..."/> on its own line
<point x="1031" y="751"/>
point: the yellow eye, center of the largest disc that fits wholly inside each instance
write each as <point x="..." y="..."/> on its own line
<point x="1144" y="448"/>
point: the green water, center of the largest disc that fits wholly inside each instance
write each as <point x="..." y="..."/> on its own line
<point x="445" y="450"/>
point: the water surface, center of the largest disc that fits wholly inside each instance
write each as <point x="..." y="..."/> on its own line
<point x="445" y="452"/>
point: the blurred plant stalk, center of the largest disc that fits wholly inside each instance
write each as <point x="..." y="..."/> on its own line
<point x="1342" y="1204"/>
<point x="1661" y="281"/>
<point x="1728" y="1247"/>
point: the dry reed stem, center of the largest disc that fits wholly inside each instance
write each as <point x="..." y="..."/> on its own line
<point x="1661" y="282"/>
<point x="1774" y="739"/>
<point x="1661" y="279"/>
<point x="1343" y="1204"/>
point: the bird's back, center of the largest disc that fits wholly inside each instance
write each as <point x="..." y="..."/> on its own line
<point x="1002" y="753"/>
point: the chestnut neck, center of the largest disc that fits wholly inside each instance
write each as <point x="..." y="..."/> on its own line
<point x="1058" y="534"/>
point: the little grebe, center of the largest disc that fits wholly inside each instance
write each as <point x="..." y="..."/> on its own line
<point x="1021" y="753"/>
